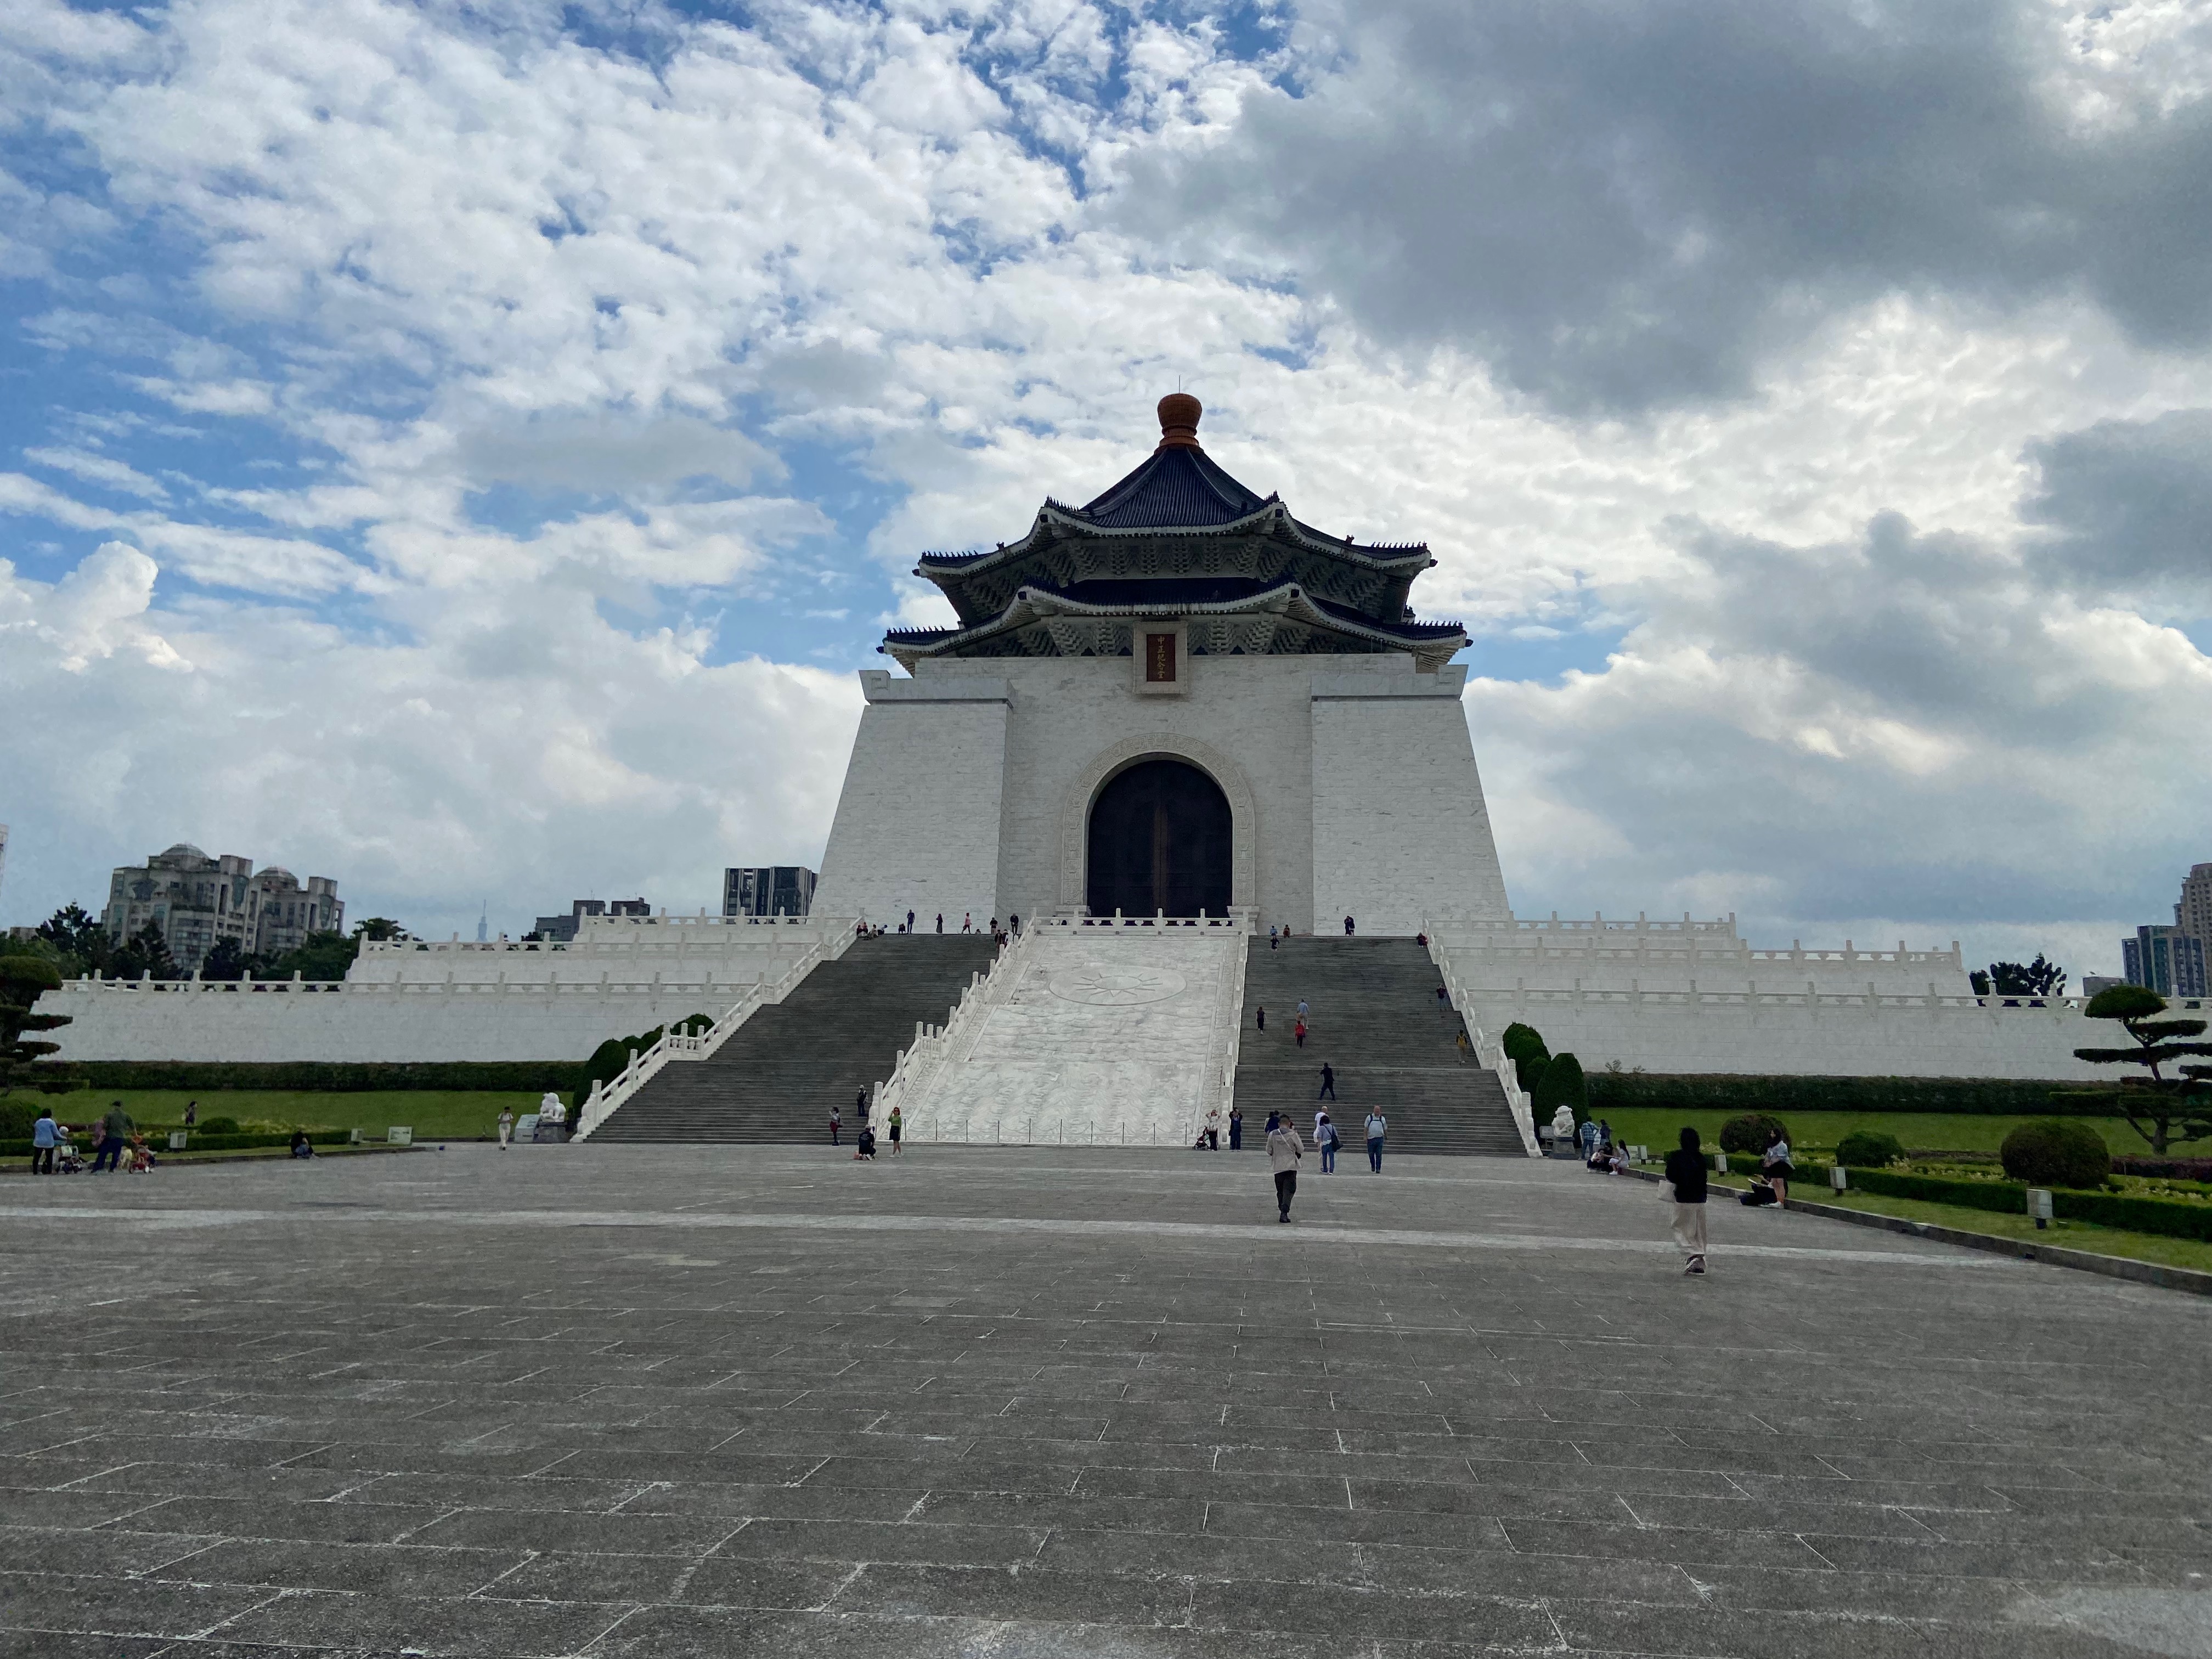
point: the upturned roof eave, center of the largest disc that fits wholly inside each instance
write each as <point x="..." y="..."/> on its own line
<point x="1388" y="557"/>
<point x="1030" y="604"/>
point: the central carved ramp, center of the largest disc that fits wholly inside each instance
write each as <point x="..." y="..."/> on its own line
<point x="840" y="1031"/>
<point x="1374" y="1019"/>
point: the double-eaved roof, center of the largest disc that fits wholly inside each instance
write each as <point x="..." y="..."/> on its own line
<point x="1178" y="538"/>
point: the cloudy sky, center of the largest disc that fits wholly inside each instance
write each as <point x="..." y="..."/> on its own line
<point x="466" y="449"/>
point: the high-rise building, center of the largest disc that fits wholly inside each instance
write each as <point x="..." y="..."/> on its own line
<point x="768" y="890"/>
<point x="198" y="902"/>
<point x="564" y="928"/>
<point x="288" y="912"/>
<point x="2164" y="959"/>
<point x="2193" y="915"/>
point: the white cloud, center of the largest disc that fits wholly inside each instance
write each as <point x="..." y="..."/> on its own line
<point x="104" y="469"/>
<point x="546" y="344"/>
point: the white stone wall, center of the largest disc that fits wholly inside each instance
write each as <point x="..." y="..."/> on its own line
<point x="450" y="1000"/>
<point x="1598" y="955"/>
<point x="1400" y="786"/>
<point x="1822" y="1035"/>
<point x="1401" y="830"/>
<point x="917" y="823"/>
<point x="148" y="1020"/>
<point x="723" y="949"/>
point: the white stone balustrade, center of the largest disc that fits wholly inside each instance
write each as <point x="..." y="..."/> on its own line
<point x="607" y="1097"/>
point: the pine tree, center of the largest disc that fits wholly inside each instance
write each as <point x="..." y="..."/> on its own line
<point x="2173" y="1107"/>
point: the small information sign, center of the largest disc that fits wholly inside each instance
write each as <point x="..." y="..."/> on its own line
<point x="176" y="1140"/>
<point x="400" y="1137"/>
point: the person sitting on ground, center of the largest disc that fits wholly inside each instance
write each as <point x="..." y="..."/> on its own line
<point x="301" y="1146"/>
<point x="865" y="1145"/>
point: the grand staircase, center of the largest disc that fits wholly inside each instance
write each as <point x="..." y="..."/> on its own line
<point x="778" y="1074"/>
<point x="1374" y="1018"/>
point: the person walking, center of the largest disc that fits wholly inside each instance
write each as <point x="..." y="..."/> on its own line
<point x="940" y="921"/>
<point x="1298" y="1031"/>
<point x="113" y="1128"/>
<point x="1464" y="1048"/>
<point x="1262" y="1018"/>
<point x="1235" y="1129"/>
<point x="836" y="1123"/>
<point x="45" y="1135"/>
<point x="1271" y="941"/>
<point x="1284" y="1149"/>
<point x="967" y="922"/>
<point x="898" y="1123"/>
<point x="506" y="1126"/>
<point x="191" y="1113"/>
<point x="1686" y="1179"/>
<point x="1444" y="1002"/>
<point x="1328" y="1082"/>
<point x="1347" y="928"/>
<point x="1377" y="1127"/>
<point x="1303" y="1009"/>
<point x="860" y="1106"/>
<point x="1774" y="1164"/>
<point x="1326" y="1137"/>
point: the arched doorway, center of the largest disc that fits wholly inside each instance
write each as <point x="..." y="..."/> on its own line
<point x="1160" y="839"/>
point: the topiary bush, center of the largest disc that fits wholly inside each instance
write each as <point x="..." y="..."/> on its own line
<point x="1561" y="1084"/>
<point x="217" y="1126"/>
<point x="1868" y="1149"/>
<point x="1754" y="1132"/>
<point x="2055" y="1151"/>
<point x="1524" y="1046"/>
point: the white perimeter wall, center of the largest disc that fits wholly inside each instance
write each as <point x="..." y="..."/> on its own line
<point x="1823" y="1036"/>
<point x="917" y="823"/>
<point x="446" y="1001"/>
<point x="1401" y="830"/>
<point x="146" y="1021"/>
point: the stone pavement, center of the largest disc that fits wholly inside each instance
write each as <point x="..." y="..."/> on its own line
<point x="664" y="1402"/>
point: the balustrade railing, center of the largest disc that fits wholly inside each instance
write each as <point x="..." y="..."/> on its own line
<point x="605" y="1098"/>
<point x="1489" y="1053"/>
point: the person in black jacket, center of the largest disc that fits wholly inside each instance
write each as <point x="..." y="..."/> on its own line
<point x="1686" y="1173"/>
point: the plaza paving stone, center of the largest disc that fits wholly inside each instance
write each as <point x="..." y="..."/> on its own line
<point x="659" y="1401"/>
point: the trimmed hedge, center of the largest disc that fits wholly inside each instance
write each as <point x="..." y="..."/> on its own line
<point x="330" y="1077"/>
<point x="2164" y="1217"/>
<point x="1723" y="1092"/>
<point x="2169" y="1168"/>
<point x="158" y="1143"/>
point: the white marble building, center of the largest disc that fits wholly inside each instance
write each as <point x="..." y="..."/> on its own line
<point x="1306" y="753"/>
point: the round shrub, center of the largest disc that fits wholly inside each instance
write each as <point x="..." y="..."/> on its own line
<point x="218" y="1125"/>
<point x="1868" y="1149"/>
<point x="1754" y="1132"/>
<point x="2056" y="1152"/>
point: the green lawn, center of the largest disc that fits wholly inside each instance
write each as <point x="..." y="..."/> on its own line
<point x="1965" y="1132"/>
<point x="2067" y="1235"/>
<point x="430" y="1113"/>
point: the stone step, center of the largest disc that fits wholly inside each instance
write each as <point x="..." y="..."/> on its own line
<point x="839" y="1031"/>
<point x="1374" y="1018"/>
